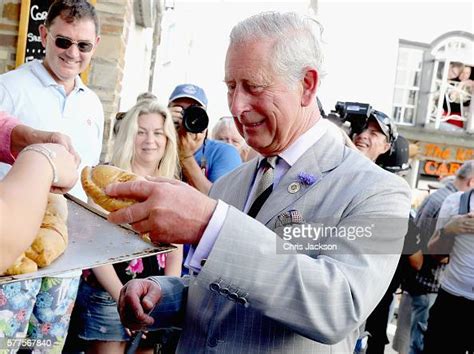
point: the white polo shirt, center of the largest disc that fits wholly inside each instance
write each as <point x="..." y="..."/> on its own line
<point x="31" y="94"/>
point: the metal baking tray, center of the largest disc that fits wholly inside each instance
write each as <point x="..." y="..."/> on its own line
<point x="93" y="241"/>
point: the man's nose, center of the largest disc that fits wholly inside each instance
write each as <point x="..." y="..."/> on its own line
<point x="239" y="102"/>
<point x="73" y="51"/>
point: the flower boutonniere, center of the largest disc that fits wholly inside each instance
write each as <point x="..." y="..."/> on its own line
<point x="306" y="178"/>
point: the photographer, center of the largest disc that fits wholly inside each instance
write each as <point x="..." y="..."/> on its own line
<point x="202" y="160"/>
<point x="376" y="136"/>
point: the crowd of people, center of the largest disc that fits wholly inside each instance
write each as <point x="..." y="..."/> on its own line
<point x="241" y="278"/>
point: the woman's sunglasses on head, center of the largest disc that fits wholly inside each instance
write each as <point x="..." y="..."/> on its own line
<point x="65" y="43"/>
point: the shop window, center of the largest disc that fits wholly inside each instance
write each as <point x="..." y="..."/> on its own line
<point x="407" y="84"/>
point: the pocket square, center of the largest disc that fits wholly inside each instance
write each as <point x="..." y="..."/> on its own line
<point x="289" y="217"/>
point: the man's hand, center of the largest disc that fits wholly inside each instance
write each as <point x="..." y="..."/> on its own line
<point x="137" y="298"/>
<point x="23" y="136"/>
<point x="460" y="224"/>
<point x="188" y="143"/>
<point x="171" y="211"/>
<point x="177" y="115"/>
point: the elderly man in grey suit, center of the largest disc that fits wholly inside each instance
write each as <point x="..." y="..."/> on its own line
<point x="251" y="290"/>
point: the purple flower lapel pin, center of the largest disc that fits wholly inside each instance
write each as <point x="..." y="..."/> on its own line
<point x="306" y="178"/>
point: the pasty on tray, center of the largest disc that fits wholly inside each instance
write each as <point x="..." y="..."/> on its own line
<point x="22" y="265"/>
<point x="50" y="242"/>
<point x="95" y="179"/>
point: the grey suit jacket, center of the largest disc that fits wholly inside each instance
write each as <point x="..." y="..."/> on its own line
<point x="252" y="297"/>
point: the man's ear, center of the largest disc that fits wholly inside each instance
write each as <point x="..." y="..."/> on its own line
<point x="43" y="34"/>
<point x="310" y="85"/>
<point x="386" y="147"/>
<point x="470" y="183"/>
<point x="96" y="43"/>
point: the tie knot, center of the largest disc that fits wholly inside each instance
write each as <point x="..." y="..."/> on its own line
<point x="270" y="161"/>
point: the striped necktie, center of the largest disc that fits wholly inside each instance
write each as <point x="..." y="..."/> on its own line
<point x="264" y="185"/>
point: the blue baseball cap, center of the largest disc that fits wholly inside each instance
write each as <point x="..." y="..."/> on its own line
<point x="190" y="91"/>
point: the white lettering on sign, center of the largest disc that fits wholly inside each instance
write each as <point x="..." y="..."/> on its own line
<point x="33" y="38"/>
<point x="37" y="16"/>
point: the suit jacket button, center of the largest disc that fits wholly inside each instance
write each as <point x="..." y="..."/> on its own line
<point x="233" y="296"/>
<point x="243" y="301"/>
<point x="212" y="342"/>
<point x="224" y="291"/>
<point x="214" y="287"/>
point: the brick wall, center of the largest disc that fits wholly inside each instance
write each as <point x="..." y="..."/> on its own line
<point x="9" y="18"/>
<point x="107" y="65"/>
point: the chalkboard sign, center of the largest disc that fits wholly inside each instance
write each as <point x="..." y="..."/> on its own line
<point x="33" y="14"/>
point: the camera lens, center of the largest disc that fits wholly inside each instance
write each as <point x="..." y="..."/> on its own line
<point x="195" y="119"/>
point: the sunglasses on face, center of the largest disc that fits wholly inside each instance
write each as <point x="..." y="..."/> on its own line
<point x="65" y="43"/>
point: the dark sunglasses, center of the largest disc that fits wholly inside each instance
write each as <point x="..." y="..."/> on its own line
<point x="65" y="43"/>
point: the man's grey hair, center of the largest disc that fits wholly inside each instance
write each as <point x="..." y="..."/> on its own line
<point x="466" y="170"/>
<point x="297" y="45"/>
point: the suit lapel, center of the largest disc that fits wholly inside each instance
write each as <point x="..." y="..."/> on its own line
<point x="325" y="155"/>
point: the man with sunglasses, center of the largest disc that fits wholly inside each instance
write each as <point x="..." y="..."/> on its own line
<point x="49" y="95"/>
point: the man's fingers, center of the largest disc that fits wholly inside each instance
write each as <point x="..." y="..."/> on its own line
<point x="132" y="214"/>
<point x="151" y="298"/>
<point x="142" y="226"/>
<point x="133" y="310"/>
<point x="153" y="295"/>
<point x="139" y="190"/>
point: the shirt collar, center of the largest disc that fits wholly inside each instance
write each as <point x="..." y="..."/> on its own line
<point x="304" y="142"/>
<point x="46" y="79"/>
<point x="451" y="187"/>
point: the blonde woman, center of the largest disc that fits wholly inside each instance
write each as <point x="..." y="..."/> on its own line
<point x="145" y="145"/>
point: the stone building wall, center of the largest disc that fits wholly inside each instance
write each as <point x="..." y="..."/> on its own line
<point x="107" y="65"/>
<point x="9" y="18"/>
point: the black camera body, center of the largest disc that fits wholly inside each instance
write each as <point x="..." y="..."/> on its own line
<point x="357" y="114"/>
<point x="195" y="119"/>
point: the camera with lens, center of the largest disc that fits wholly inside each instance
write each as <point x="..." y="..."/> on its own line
<point x="195" y="119"/>
<point x="355" y="113"/>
